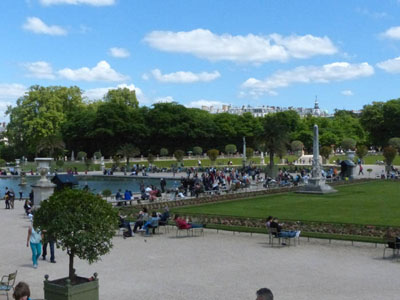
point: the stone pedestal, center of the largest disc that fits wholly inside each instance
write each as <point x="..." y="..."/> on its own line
<point x="42" y="189"/>
<point x="316" y="186"/>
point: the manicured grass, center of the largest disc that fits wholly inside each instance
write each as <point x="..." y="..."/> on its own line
<point x="371" y="203"/>
<point x="368" y="160"/>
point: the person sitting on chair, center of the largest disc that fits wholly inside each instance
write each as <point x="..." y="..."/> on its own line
<point x="283" y="234"/>
<point x="182" y="224"/>
<point x="164" y="217"/>
<point x="125" y="224"/>
<point x="151" y="223"/>
<point x="141" y="219"/>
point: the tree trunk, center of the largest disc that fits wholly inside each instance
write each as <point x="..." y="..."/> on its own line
<point x="71" y="266"/>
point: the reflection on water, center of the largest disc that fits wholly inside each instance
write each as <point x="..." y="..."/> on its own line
<point x="96" y="184"/>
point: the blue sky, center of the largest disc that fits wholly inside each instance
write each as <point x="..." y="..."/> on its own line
<point x="277" y="53"/>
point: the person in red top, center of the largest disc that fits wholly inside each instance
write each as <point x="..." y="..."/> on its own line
<point x="182" y="224"/>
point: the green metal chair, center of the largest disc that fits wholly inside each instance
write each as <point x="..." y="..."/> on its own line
<point x="7" y="283"/>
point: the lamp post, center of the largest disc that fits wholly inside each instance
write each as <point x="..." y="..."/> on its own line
<point x="244" y="152"/>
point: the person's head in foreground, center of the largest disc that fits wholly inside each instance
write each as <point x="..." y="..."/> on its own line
<point x="264" y="294"/>
<point x="21" y="291"/>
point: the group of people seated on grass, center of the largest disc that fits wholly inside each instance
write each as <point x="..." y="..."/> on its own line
<point x="273" y="222"/>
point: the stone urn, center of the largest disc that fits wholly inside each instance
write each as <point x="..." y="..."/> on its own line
<point x="42" y="189"/>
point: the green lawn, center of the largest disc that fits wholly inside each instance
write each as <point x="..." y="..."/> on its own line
<point x="372" y="203"/>
<point x="368" y="160"/>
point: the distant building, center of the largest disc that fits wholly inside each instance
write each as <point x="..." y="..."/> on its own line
<point x="261" y="111"/>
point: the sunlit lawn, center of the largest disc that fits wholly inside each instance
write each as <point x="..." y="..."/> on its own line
<point x="375" y="203"/>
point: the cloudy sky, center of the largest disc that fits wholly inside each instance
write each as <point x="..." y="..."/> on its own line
<point x="261" y="52"/>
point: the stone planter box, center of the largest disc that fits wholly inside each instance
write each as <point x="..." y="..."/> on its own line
<point x="62" y="289"/>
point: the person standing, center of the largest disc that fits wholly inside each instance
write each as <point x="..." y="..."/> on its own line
<point x="163" y="183"/>
<point x="48" y="240"/>
<point x="34" y="239"/>
<point x="7" y="198"/>
<point x="11" y="195"/>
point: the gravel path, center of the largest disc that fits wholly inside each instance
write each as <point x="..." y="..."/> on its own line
<point x="216" y="266"/>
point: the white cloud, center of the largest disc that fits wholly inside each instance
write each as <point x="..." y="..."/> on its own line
<point x="337" y="71"/>
<point x="347" y="93"/>
<point x="390" y="65"/>
<point x="250" y="48"/>
<point x="76" y="2"/>
<point x="40" y="69"/>
<point x="11" y="91"/>
<point x="101" y="72"/>
<point x="185" y="77"/>
<point x="99" y="93"/>
<point x="204" y="102"/>
<point x="119" y="52"/>
<point x="392" y="33"/>
<point x="37" y="26"/>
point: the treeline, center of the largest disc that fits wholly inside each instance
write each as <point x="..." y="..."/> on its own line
<point x="57" y="120"/>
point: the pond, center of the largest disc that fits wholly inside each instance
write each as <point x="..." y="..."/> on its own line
<point x="95" y="183"/>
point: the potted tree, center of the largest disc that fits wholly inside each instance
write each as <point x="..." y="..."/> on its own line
<point x="83" y="224"/>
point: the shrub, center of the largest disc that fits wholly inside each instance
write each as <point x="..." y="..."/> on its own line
<point x="179" y="154"/>
<point x="230" y="149"/>
<point x="389" y="153"/>
<point x="163" y="152"/>
<point x="361" y="151"/>
<point x="81" y="155"/>
<point x="213" y="155"/>
<point x="249" y="152"/>
<point x="197" y="150"/>
<point x="395" y="143"/>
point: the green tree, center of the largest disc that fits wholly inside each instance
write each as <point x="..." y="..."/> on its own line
<point x="325" y="152"/>
<point x="277" y="129"/>
<point x="348" y="144"/>
<point x="230" y="149"/>
<point x="389" y="153"/>
<point x="395" y="143"/>
<point x="361" y="151"/>
<point x="213" y="155"/>
<point x="123" y="96"/>
<point x="249" y="152"/>
<point x="163" y="152"/>
<point x="80" y="222"/>
<point x="50" y="145"/>
<point x="179" y="154"/>
<point x="197" y="150"/>
<point x="296" y="146"/>
<point x="128" y="151"/>
<point x="40" y="114"/>
<point x="150" y="158"/>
